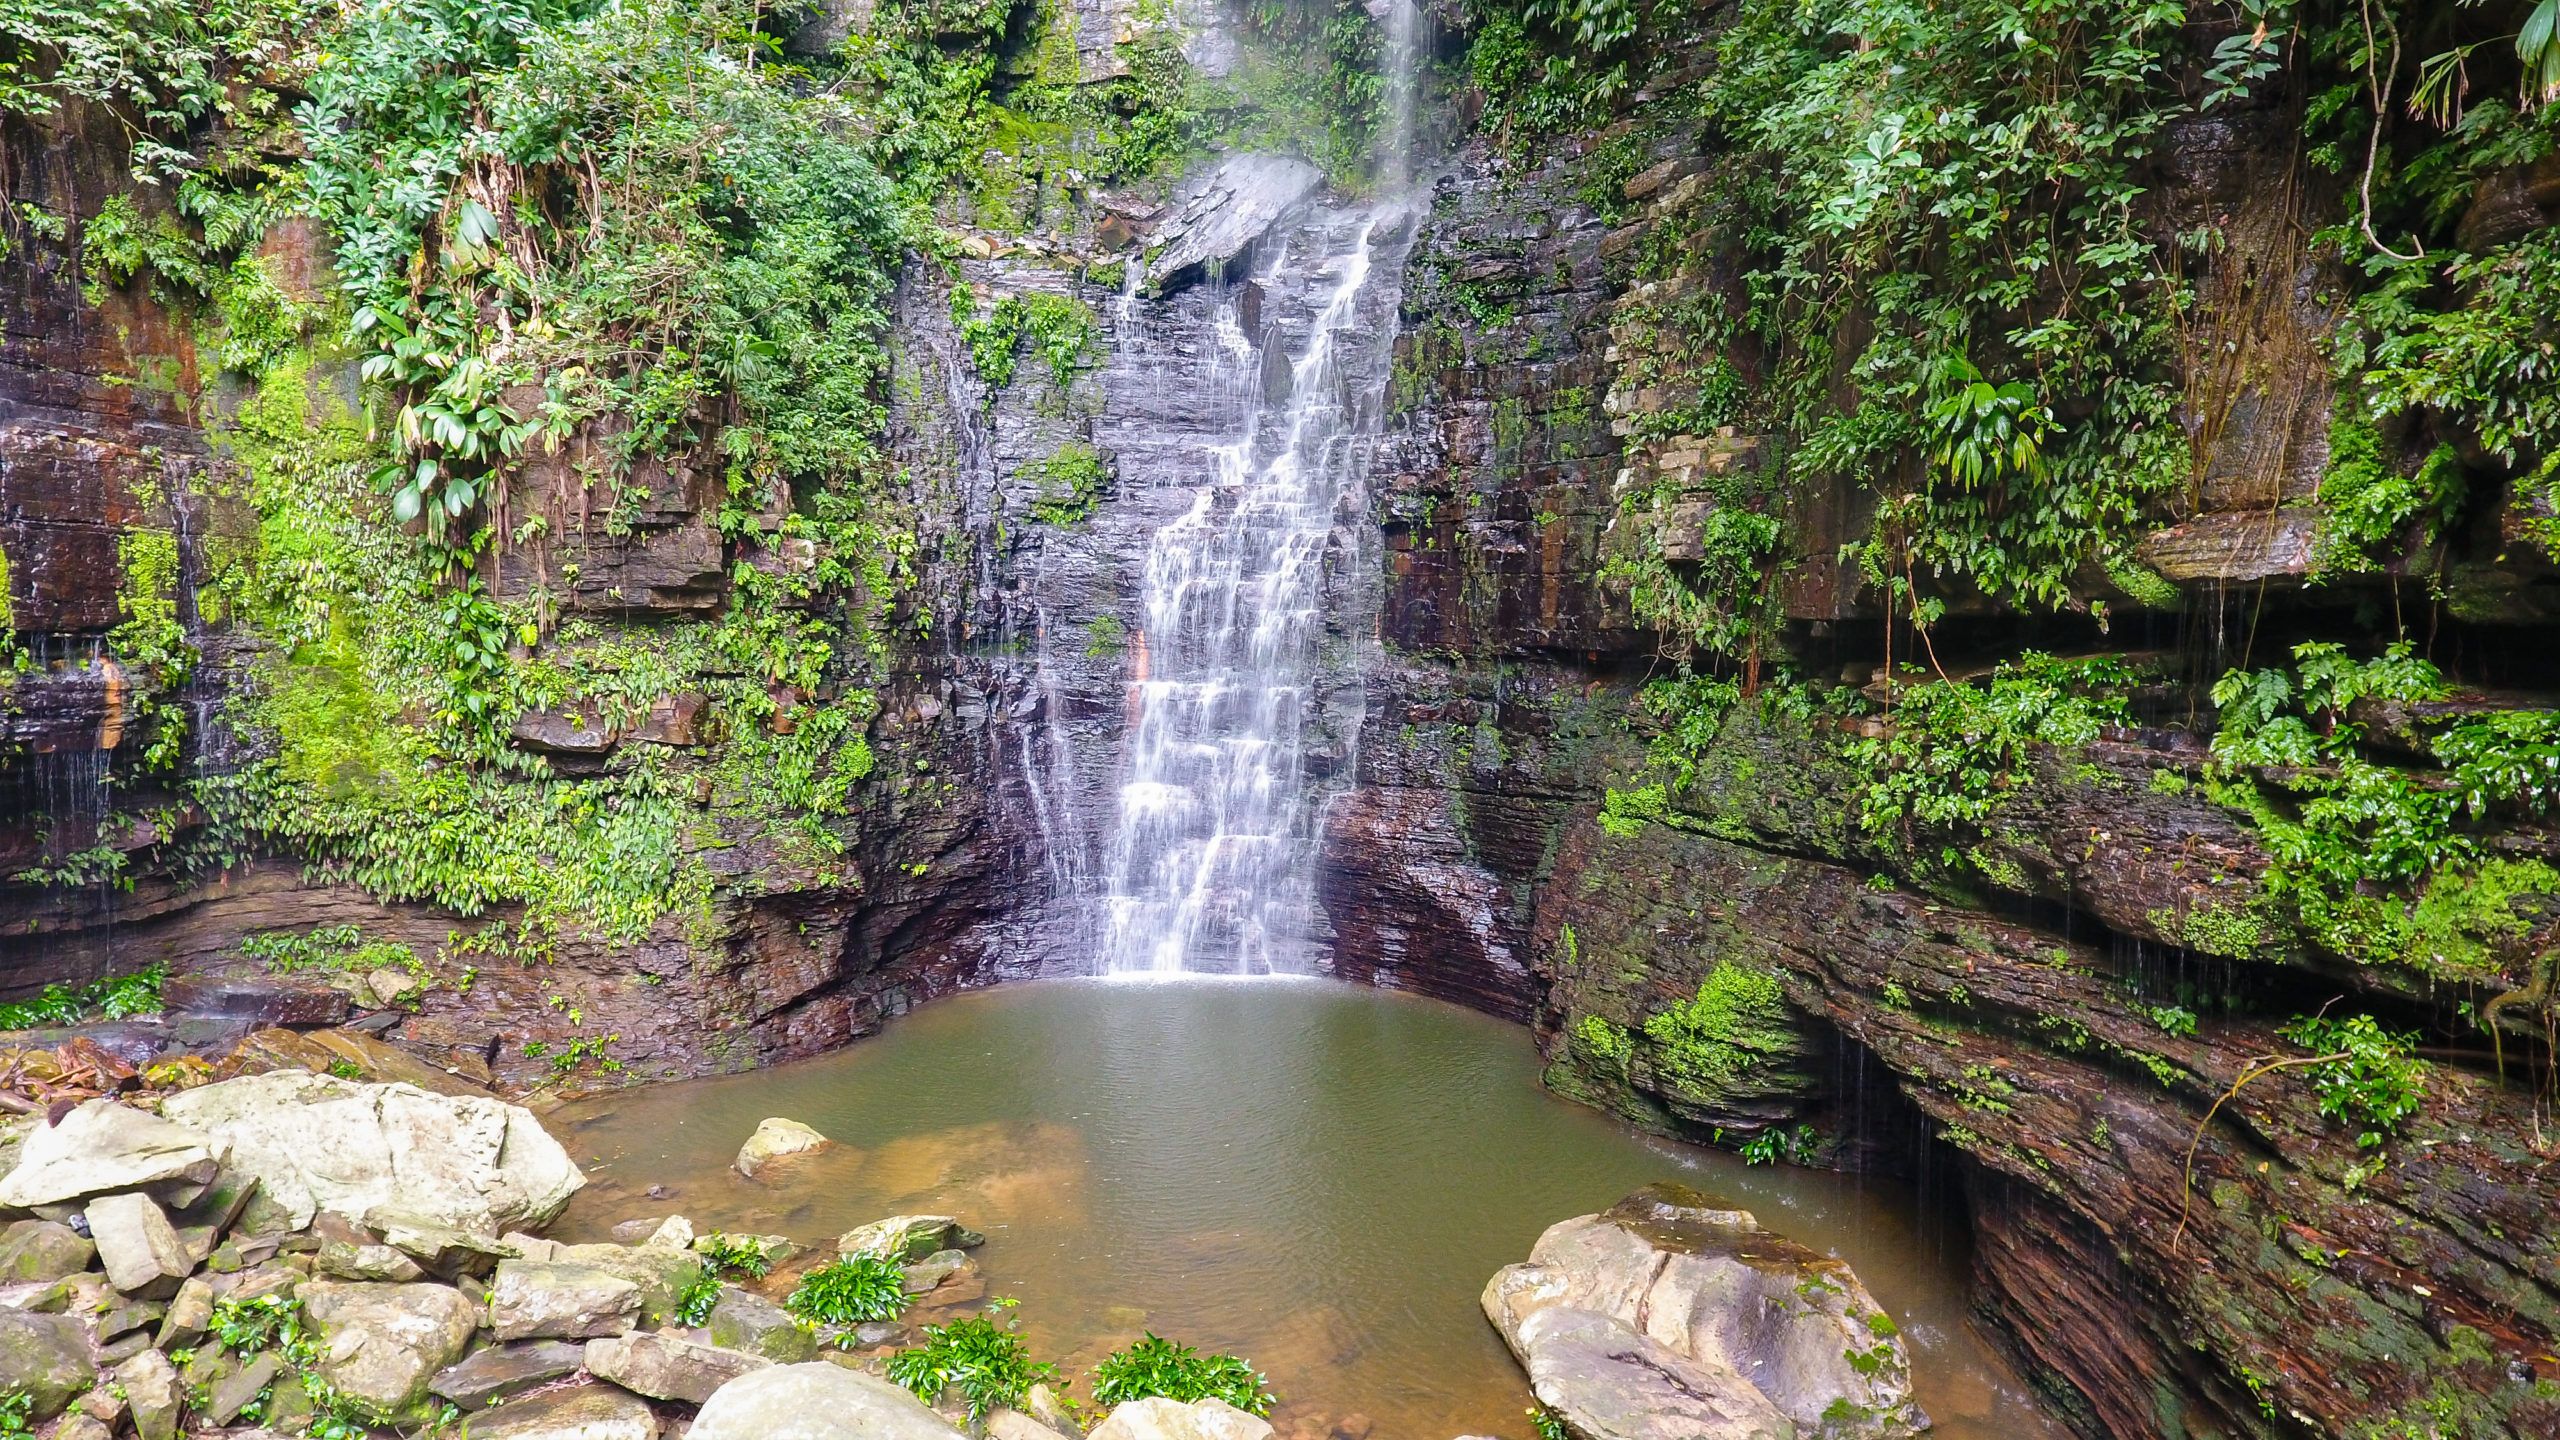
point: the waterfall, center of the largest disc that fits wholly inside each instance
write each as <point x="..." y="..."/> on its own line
<point x="1211" y="864"/>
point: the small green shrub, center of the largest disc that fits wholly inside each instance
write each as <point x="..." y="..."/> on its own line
<point x="17" y="1415"/>
<point x="117" y="997"/>
<point x="267" y="1322"/>
<point x="735" y="1254"/>
<point x="851" y="1291"/>
<point x="2372" y="1077"/>
<point x="986" y="1362"/>
<point x="1157" y="1366"/>
<point x="701" y="1294"/>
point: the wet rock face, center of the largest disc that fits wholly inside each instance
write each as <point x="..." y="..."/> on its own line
<point x="1751" y="962"/>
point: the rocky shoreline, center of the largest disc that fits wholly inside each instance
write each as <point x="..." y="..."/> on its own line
<point x="298" y="1253"/>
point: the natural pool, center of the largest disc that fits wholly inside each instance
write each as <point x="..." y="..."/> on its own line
<point x="1315" y="1176"/>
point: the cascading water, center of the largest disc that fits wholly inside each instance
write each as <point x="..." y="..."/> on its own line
<point x="1211" y="865"/>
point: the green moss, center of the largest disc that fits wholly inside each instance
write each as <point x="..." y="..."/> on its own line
<point x="1070" y="481"/>
<point x="1604" y="1041"/>
<point x="1737" y="1018"/>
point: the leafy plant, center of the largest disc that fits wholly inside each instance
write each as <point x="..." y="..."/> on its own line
<point x="851" y="1291"/>
<point x="17" y="1414"/>
<point x="987" y="1363"/>
<point x="735" y="1254"/>
<point x="115" y="997"/>
<point x="1775" y="1143"/>
<point x="1157" y="1366"/>
<point x="700" y="1295"/>
<point x="265" y="1322"/>
<point x="2369" y="1076"/>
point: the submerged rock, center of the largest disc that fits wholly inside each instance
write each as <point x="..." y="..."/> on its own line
<point x="774" y="1139"/>
<point x="1670" y="1317"/>
<point x="102" y="1147"/>
<point x="909" y="1237"/>
<point x="817" y="1401"/>
<point x="1157" y="1418"/>
<point x="318" y="1142"/>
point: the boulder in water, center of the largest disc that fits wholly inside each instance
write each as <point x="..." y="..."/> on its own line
<point x="317" y="1142"/>
<point x="909" y="1237"/>
<point x="817" y="1401"/>
<point x="1157" y="1418"/>
<point x="1671" y="1317"/>
<point x="774" y="1139"/>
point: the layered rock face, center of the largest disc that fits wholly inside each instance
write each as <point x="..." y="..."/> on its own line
<point x="2069" y="1007"/>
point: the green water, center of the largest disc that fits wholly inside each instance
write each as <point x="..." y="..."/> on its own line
<point x="1318" y="1177"/>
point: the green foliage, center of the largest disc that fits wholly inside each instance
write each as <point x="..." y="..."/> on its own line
<point x="266" y="1322"/>
<point x="17" y="1414"/>
<point x="695" y="1301"/>
<point x="735" y="1254"/>
<point x="1925" y="187"/>
<point x="1736" y="1017"/>
<point x="1549" y="65"/>
<point x="2377" y="862"/>
<point x="853" y="1290"/>
<point x="1956" y="751"/>
<point x="339" y="948"/>
<point x="989" y="1364"/>
<point x="2368" y="503"/>
<point x="1777" y="1143"/>
<point x="151" y="642"/>
<point x="1060" y="329"/>
<point x="115" y="997"/>
<point x="619" y="203"/>
<point x="2370" y="1078"/>
<point x="1156" y="1366"/>
<point x="1548" y="1424"/>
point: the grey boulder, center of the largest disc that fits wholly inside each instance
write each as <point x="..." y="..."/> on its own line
<point x="748" y="1322"/>
<point x="1157" y="1418"/>
<point x="667" y="1367"/>
<point x="816" y="1402"/>
<point x="590" y="1412"/>
<point x="318" y="1142"/>
<point x="1218" y="217"/>
<point x="908" y="1237"/>
<point x="488" y="1376"/>
<point x="138" y="1246"/>
<point x="535" y="1299"/>
<point x="1671" y="1317"/>
<point x="47" y="1357"/>
<point x="382" y="1343"/>
<point x="776" y="1139"/>
<point x="101" y="1147"/>
<point x="42" y="1250"/>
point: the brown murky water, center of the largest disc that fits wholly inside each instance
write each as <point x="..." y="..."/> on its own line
<point x="1318" y="1177"/>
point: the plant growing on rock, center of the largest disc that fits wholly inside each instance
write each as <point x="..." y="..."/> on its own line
<point x="986" y="1362"/>
<point x="852" y="1291"/>
<point x="2365" y="1075"/>
<point x="1157" y="1366"/>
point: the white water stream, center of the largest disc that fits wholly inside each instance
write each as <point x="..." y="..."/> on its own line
<point x="1211" y="864"/>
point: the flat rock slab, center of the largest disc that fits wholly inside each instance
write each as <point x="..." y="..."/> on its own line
<point x="590" y="1412"/>
<point x="2234" y="546"/>
<point x="102" y="1147"/>
<point x="1221" y="215"/>
<point x="316" y="1141"/>
<point x="486" y="1377"/>
<point x="667" y="1367"/>
<point x="264" y="999"/>
<point x="536" y="1299"/>
<point x="815" y="1402"/>
<point x="1157" y="1418"/>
